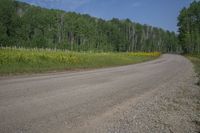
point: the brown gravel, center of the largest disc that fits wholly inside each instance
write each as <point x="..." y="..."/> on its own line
<point x="151" y="97"/>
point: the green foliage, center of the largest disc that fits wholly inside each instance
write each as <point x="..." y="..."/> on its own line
<point x="24" y="25"/>
<point x="14" y="60"/>
<point x="8" y="22"/>
<point x="189" y="28"/>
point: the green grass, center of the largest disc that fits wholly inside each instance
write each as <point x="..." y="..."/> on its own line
<point x="195" y="58"/>
<point x="15" y="61"/>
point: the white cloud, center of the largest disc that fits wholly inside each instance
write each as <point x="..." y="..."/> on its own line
<point x="74" y="4"/>
<point x="69" y="4"/>
<point x="34" y="4"/>
<point x="136" y="4"/>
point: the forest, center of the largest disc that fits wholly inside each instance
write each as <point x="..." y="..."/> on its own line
<point x="28" y="26"/>
<point x="189" y="28"/>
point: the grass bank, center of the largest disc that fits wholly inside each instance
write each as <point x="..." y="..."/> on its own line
<point x="195" y="58"/>
<point x="14" y="61"/>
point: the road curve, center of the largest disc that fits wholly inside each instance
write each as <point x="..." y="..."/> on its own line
<point x="82" y="101"/>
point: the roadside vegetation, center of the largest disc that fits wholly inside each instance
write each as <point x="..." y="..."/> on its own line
<point x="25" y="25"/>
<point x="36" y="29"/>
<point x="195" y="58"/>
<point x="189" y="28"/>
<point x="15" y="60"/>
<point x="189" y="33"/>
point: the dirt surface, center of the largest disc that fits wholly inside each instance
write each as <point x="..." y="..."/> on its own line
<point x="155" y="96"/>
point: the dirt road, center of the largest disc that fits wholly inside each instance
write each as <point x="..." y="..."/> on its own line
<point x="155" y="96"/>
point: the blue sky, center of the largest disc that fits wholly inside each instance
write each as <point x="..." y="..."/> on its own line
<point x="159" y="13"/>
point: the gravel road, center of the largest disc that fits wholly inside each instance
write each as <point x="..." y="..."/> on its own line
<point x="155" y="96"/>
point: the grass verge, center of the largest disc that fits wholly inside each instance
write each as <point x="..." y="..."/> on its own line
<point x="195" y="58"/>
<point x="15" y="61"/>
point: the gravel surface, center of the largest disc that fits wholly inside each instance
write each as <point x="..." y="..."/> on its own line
<point x="156" y="96"/>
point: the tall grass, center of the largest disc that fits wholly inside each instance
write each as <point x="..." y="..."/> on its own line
<point x="19" y="60"/>
<point x="195" y="58"/>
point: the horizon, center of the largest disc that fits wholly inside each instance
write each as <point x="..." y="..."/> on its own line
<point x="145" y="10"/>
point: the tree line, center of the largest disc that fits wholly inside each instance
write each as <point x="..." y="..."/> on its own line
<point x="24" y="25"/>
<point x="189" y="28"/>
